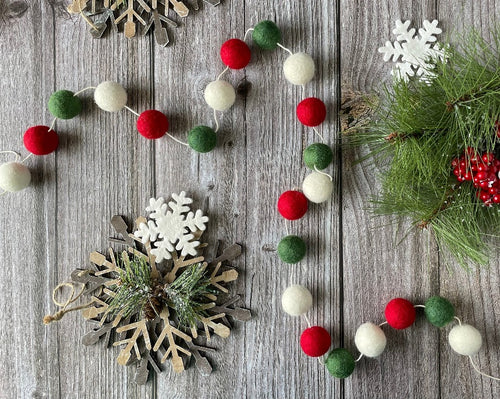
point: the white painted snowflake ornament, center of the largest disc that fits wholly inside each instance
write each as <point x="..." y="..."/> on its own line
<point x="412" y="53"/>
<point x="171" y="229"/>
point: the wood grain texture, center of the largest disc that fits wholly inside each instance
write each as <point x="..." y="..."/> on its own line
<point x="103" y="167"/>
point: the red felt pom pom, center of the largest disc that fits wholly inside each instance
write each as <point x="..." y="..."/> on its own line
<point x="40" y="140"/>
<point x="311" y="111"/>
<point x="315" y="341"/>
<point x="292" y="205"/>
<point x="235" y="54"/>
<point x="400" y="313"/>
<point x="152" y="124"/>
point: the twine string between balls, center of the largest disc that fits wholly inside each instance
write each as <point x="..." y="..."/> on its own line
<point x="85" y="89"/>
<point x="323" y="173"/>
<point x="18" y="156"/>
<point x="286" y="49"/>
<point x="250" y="30"/>
<point x="318" y="133"/>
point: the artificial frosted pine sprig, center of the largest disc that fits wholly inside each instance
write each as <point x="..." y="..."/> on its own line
<point x="440" y="139"/>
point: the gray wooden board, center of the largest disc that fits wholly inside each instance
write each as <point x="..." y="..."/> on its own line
<point x="103" y="167"/>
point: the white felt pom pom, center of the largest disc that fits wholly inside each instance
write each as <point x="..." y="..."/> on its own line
<point x="370" y="340"/>
<point x="296" y="300"/>
<point x="465" y="340"/>
<point x="220" y="95"/>
<point x="14" y="176"/>
<point x="110" y="96"/>
<point x="317" y="187"/>
<point x="299" y="68"/>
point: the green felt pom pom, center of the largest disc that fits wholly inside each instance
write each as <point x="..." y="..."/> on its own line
<point x="291" y="249"/>
<point x="340" y="363"/>
<point x="63" y="104"/>
<point x="439" y="311"/>
<point x="266" y="35"/>
<point x="319" y="155"/>
<point x="202" y="138"/>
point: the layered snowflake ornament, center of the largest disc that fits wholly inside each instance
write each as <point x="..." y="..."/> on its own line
<point x="169" y="229"/>
<point x="134" y="15"/>
<point x="414" y="54"/>
<point x="157" y="311"/>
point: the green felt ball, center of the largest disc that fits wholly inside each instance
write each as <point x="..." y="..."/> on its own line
<point x="202" y="138"/>
<point x="319" y="155"/>
<point x="63" y="104"/>
<point x="340" y="363"/>
<point x="291" y="249"/>
<point x="266" y="35"/>
<point x="439" y="311"/>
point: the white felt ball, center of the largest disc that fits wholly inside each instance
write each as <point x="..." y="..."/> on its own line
<point x="299" y="68"/>
<point x="370" y="340"/>
<point x="465" y="340"/>
<point x="296" y="300"/>
<point x="317" y="187"/>
<point x="110" y="96"/>
<point x="14" y="176"/>
<point x="220" y="95"/>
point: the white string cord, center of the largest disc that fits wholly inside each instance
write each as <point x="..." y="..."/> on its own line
<point x="222" y="73"/>
<point x="319" y="134"/>
<point x="286" y="227"/>
<point x="83" y="90"/>
<point x="284" y="48"/>
<point x="131" y="110"/>
<point x="176" y="139"/>
<point x="52" y="124"/>
<point x="480" y="372"/>
<point x="419" y="306"/>
<point x="307" y="321"/>
<point x="323" y="173"/>
<point x="246" y="34"/>
<point x="216" y="121"/>
<point x="28" y="157"/>
<point x="18" y="156"/>
<point x="359" y="358"/>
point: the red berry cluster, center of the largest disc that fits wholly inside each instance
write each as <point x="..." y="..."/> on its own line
<point x="484" y="172"/>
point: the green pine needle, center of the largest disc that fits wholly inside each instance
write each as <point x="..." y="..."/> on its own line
<point x="421" y="127"/>
<point x="187" y="295"/>
<point x="134" y="289"/>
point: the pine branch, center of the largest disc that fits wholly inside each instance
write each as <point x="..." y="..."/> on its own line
<point x="420" y="127"/>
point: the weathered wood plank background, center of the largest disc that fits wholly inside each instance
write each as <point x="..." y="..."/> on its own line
<point x="104" y="167"/>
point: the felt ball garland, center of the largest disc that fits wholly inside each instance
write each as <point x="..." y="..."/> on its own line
<point x="370" y="339"/>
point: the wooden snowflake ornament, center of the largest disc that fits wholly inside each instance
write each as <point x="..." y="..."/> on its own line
<point x="154" y="306"/>
<point x="133" y="14"/>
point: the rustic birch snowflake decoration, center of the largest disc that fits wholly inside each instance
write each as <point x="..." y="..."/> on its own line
<point x="135" y="15"/>
<point x="413" y="53"/>
<point x="157" y="311"/>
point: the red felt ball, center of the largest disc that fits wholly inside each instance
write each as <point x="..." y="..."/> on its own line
<point x="152" y="124"/>
<point x="40" y="140"/>
<point x="311" y="111"/>
<point x="400" y="313"/>
<point x="292" y="205"/>
<point x="235" y="54"/>
<point x="315" y="341"/>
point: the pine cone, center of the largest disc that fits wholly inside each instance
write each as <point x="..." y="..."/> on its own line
<point x="155" y="302"/>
